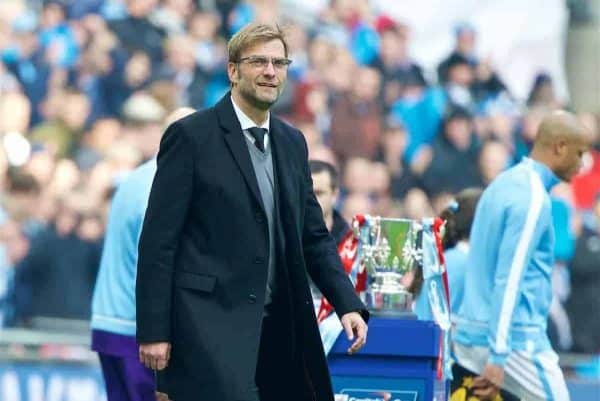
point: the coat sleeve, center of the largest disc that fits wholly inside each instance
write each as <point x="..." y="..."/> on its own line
<point x="167" y="212"/>
<point x="320" y="253"/>
<point x="518" y="241"/>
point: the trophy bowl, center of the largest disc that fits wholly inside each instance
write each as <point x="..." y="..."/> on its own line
<point x="388" y="250"/>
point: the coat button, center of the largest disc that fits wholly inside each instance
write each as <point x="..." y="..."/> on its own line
<point x="258" y="217"/>
<point x="251" y="299"/>
<point x="258" y="260"/>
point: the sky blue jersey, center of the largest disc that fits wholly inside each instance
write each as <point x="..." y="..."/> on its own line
<point x="113" y="303"/>
<point x="508" y="284"/>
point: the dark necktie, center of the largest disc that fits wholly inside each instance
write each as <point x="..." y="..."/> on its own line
<point x="259" y="137"/>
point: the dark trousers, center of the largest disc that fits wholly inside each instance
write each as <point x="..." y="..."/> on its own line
<point x="126" y="379"/>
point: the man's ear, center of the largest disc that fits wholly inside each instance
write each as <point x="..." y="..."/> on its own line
<point x="560" y="148"/>
<point x="336" y="194"/>
<point x="232" y="72"/>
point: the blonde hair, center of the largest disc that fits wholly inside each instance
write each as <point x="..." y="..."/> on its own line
<point x="252" y="34"/>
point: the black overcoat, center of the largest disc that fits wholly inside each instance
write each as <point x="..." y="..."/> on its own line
<point x="202" y="265"/>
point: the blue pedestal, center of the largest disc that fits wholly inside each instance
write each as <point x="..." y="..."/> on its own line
<point x="398" y="363"/>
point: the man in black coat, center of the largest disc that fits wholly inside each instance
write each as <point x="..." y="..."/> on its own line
<point x="232" y="227"/>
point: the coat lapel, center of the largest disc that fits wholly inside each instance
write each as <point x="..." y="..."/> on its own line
<point x="234" y="137"/>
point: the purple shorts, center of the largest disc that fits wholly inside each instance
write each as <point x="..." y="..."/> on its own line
<point x="126" y="379"/>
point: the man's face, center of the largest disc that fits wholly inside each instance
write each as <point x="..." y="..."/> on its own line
<point x="257" y="82"/>
<point x="326" y="195"/>
<point x="569" y="155"/>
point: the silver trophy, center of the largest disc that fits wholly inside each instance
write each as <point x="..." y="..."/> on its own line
<point x="388" y="249"/>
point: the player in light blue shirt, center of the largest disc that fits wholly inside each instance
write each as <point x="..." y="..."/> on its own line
<point x="501" y="323"/>
<point x="113" y="304"/>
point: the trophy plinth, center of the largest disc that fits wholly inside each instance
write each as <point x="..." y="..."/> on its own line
<point x="388" y="250"/>
<point x="387" y="296"/>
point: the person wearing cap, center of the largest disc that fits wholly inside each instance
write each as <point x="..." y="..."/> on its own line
<point x="501" y="324"/>
<point x="224" y="308"/>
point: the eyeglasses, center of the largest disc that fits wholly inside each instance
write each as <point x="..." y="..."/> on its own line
<point x="261" y="62"/>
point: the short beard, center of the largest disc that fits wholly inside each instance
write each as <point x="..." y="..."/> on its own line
<point x="259" y="104"/>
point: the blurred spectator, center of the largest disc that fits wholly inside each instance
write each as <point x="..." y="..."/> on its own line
<point x="298" y="51"/>
<point x="416" y="205"/>
<point x="320" y="57"/>
<point x="56" y="36"/>
<point x="421" y="110"/>
<point x="137" y="32"/>
<point x="97" y="142"/>
<point x="14" y="245"/>
<point x="493" y="159"/>
<point x="528" y="130"/>
<point x="356" y="203"/>
<point x="542" y="93"/>
<point x="323" y="153"/>
<point x="393" y="62"/>
<point x="21" y="200"/>
<point x="356" y="118"/>
<point x="15" y="113"/>
<point x="487" y="85"/>
<point x="464" y="50"/>
<point x="583" y="304"/>
<point x="392" y="150"/>
<point x="455" y="153"/>
<point x="63" y="133"/>
<point x="587" y="184"/>
<point x="311" y="134"/>
<point x="459" y="82"/>
<point x="203" y="28"/>
<point x="380" y="189"/>
<point x="56" y="277"/>
<point x="357" y="179"/>
<point x="501" y="129"/>
<point x="26" y="60"/>
<point x="180" y="68"/>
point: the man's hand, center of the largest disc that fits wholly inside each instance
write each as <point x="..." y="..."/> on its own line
<point x="161" y="396"/>
<point x="487" y="385"/>
<point x="355" y="326"/>
<point x="155" y="355"/>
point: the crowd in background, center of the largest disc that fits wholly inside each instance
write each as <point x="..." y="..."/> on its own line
<point x="85" y="86"/>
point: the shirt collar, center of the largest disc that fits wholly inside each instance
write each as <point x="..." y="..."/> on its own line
<point x="549" y="179"/>
<point x="245" y="121"/>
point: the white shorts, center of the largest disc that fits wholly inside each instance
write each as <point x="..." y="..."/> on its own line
<point x="529" y="376"/>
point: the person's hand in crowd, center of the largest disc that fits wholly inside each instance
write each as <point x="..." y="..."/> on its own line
<point x="421" y="160"/>
<point x="155" y="356"/>
<point x="138" y="69"/>
<point x="356" y="329"/>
